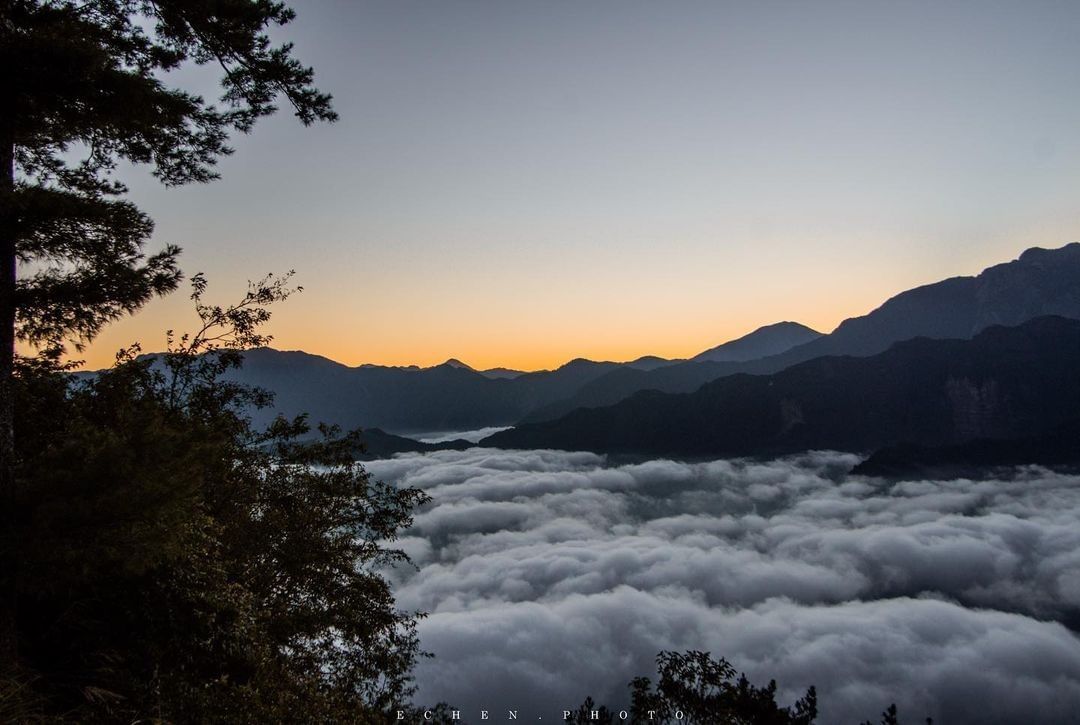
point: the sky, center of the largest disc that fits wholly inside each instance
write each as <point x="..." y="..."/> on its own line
<point x="520" y="184"/>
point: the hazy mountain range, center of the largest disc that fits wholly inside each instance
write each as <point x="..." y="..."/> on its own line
<point x="1005" y="383"/>
<point x="547" y="406"/>
<point x="1040" y="282"/>
<point x="763" y="342"/>
<point x="452" y="395"/>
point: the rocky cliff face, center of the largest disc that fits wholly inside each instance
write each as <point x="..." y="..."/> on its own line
<point x="1040" y="282"/>
<point x="1007" y="382"/>
<point x="977" y="408"/>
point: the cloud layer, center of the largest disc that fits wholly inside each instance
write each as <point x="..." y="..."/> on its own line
<point x="551" y="575"/>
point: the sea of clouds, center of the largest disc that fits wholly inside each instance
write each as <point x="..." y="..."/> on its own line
<point x="549" y="576"/>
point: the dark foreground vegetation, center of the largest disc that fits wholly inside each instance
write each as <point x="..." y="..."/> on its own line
<point x="161" y="560"/>
<point x="178" y="565"/>
<point x="692" y="688"/>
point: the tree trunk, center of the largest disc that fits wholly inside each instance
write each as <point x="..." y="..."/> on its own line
<point x="8" y="561"/>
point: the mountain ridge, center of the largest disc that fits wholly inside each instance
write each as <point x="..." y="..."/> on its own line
<point x="1038" y="282"/>
<point x="409" y="399"/>
<point x="454" y="396"/>
<point x="762" y="342"/>
<point x="1003" y="383"/>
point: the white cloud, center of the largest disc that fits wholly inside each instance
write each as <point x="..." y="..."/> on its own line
<point x="553" y="575"/>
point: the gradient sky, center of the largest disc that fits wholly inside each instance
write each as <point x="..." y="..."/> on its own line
<point x="521" y="183"/>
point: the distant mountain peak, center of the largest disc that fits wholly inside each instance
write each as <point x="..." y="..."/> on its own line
<point x="455" y="363"/>
<point x="786" y="325"/>
<point x="1005" y="383"/>
<point x="649" y="362"/>
<point x="454" y="396"/>
<point x="577" y="363"/>
<point x="1039" y="282"/>
<point x="762" y="342"/>
<point x="1039" y="254"/>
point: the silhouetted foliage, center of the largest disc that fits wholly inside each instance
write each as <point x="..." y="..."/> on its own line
<point x="890" y="717"/>
<point x="181" y="566"/>
<point x="694" y="688"/>
<point x="590" y="712"/>
<point x="83" y="90"/>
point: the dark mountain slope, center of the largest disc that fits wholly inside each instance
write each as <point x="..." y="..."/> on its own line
<point x="380" y="444"/>
<point x="1039" y="282"/>
<point x="678" y="376"/>
<point x="650" y="362"/>
<point x="762" y="342"/>
<point x="450" y="396"/>
<point x="1004" y="383"/>
<point x="501" y="373"/>
<point x="1058" y="449"/>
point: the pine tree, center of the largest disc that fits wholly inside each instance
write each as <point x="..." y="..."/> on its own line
<point x="82" y="90"/>
<point x="693" y="688"/>
<point x="183" y="566"/>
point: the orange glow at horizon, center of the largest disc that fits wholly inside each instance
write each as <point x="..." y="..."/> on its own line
<point x="685" y="341"/>
<point x="542" y="329"/>
<point x="541" y="335"/>
<point x="532" y="322"/>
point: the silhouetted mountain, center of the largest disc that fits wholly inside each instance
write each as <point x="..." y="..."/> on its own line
<point x="449" y="396"/>
<point x="621" y="382"/>
<point x="1040" y="282"/>
<point x="1005" y="383"/>
<point x="1058" y="449"/>
<point x="453" y="396"/>
<point x="372" y="365"/>
<point x="762" y="342"/>
<point x="492" y="373"/>
<point x="502" y="373"/>
<point x="380" y="444"/>
<point x="677" y="376"/>
<point x="404" y="399"/>
<point x="650" y="362"/>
